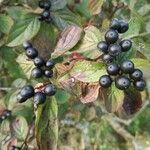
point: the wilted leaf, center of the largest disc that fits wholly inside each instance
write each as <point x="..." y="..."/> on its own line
<point x="86" y="71"/>
<point x="5" y="23"/>
<point x="88" y="46"/>
<point x="63" y="18"/>
<point x="69" y="38"/>
<point x="95" y="6"/>
<point x="143" y="64"/>
<point x="23" y="30"/>
<point x="57" y="4"/>
<point x="25" y="64"/>
<point x="20" y="128"/>
<point x="90" y="95"/>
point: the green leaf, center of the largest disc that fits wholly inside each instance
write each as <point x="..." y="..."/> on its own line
<point x="20" y="128"/>
<point x="87" y="71"/>
<point x="5" y="24"/>
<point x="115" y="99"/>
<point x="142" y="64"/>
<point x="23" y="30"/>
<point x="65" y="17"/>
<point x="57" y="4"/>
<point x="88" y="46"/>
<point x="46" y="127"/>
<point x="69" y="38"/>
<point x="26" y="65"/>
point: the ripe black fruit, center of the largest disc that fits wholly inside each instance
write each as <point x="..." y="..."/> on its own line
<point x="36" y="72"/>
<point x="114" y="50"/>
<point x="49" y="73"/>
<point x="47" y="5"/>
<point x="140" y="85"/>
<point x="39" y="98"/>
<point x="31" y="53"/>
<point x="107" y="58"/>
<point x="7" y="113"/>
<point x="46" y="14"/>
<point x="50" y="90"/>
<point x="27" y="45"/>
<point x="27" y="91"/>
<point x="105" y="81"/>
<point x="115" y="24"/>
<point x="136" y="75"/>
<point x="20" y="98"/>
<point x="50" y="64"/>
<point x="39" y="61"/>
<point x="122" y="83"/>
<point x="127" y="66"/>
<point x="111" y="36"/>
<point x="124" y="26"/>
<point x="126" y="45"/>
<point x="103" y="46"/>
<point x="41" y="4"/>
<point x="113" y="69"/>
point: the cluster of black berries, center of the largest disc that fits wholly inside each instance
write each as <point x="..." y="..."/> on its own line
<point x="45" y="16"/>
<point x="28" y="91"/>
<point x="124" y="73"/>
<point x="5" y="115"/>
<point x="13" y="147"/>
<point x="42" y="67"/>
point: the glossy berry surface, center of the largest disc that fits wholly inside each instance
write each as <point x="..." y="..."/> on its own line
<point x="47" y="5"/>
<point x="103" y="46"/>
<point x="20" y="98"/>
<point x="49" y="73"/>
<point x="39" y="98"/>
<point x="45" y="14"/>
<point x="113" y="69"/>
<point x="105" y="81"/>
<point x="122" y="83"/>
<point x="136" y="75"/>
<point x="127" y="66"/>
<point x="27" y="91"/>
<point x="37" y="73"/>
<point x="107" y="58"/>
<point x="39" y="61"/>
<point x="31" y="53"/>
<point x="27" y="45"/>
<point x="124" y="26"/>
<point x="115" y="24"/>
<point x="140" y="85"/>
<point x="114" y="50"/>
<point x="126" y="45"/>
<point x="50" y="90"/>
<point x="50" y="64"/>
<point x="111" y="36"/>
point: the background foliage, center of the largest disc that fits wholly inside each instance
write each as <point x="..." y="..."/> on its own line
<point x="71" y="39"/>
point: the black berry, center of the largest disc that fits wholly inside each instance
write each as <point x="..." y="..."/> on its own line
<point x="103" y="46"/>
<point x="49" y="73"/>
<point x="115" y="24"/>
<point x="105" y="81"/>
<point x="47" y="5"/>
<point x="37" y="73"/>
<point x="124" y="26"/>
<point x="20" y="98"/>
<point x="136" y="75"/>
<point x="140" y="85"/>
<point x="126" y="45"/>
<point x="113" y="69"/>
<point x="39" y="98"/>
<point x="41" y="4"/>
<point x="50" y="64"/>
<point x="107" y="58"/>
<point x="27" y="45"/>
<point x="122" y="82"/>
<point x="127" y="66"/>
<point x="31" y="53"/>
<point x="46" y="14"/>
<point x="114" y="50"/>
<point x="50" y="90"/>
<point x="39" y="61"/>
<point x="27" y="91"/>
<point x="7" y="113"/>
<point x="111" y="36"/>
